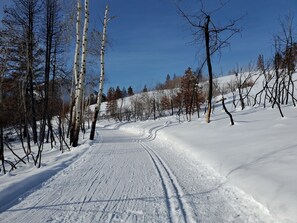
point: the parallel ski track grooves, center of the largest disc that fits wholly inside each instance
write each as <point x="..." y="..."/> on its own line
<point x="169" y="183"/>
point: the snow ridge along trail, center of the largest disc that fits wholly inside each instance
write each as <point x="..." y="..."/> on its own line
<point x="129" y="177"/>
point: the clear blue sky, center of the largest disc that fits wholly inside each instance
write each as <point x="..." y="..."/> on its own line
<point x="149" y="39"/>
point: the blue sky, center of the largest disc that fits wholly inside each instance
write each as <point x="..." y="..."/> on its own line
<point x="150" y="40"/>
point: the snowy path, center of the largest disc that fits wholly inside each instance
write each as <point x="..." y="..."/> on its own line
<point x="132" y="178"/>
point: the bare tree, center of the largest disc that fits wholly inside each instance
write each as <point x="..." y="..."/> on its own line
<point x="270" y="84"/>
<point x="244" y="82"/>
<point x="20" y="22"/>
<point x="50" y="34"/>
<point x="214" y="38"/>
<point x="3" y="62"/>
<point x="102" y="75"/>
<point x="20" y="31"/>
<point x="289" y="51"/>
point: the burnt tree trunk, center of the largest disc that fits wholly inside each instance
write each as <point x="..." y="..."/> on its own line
<point x="226" y="110"/>
<point x="209" y="66"/>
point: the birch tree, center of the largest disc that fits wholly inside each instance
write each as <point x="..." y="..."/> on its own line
<point x="76" y="67"/>
<point x="101" y="82"/>
<point x="80" y="75"/>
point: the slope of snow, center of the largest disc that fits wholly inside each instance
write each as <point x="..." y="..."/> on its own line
<point x="28" y="178"/>
<point x="166" y="171"/>
<point x="258" y="154"/>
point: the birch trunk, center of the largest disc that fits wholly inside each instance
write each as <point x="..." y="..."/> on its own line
<point x="78" y="44"/>
<point x="76" y="67"/>
<point x="101" y="84"/>
<point x="81" y="80"/>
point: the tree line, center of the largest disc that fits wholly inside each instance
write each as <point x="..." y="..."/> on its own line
<point x="32" y="76"/>
<point x="177" y="95"/>
<point x="43" y="99"/>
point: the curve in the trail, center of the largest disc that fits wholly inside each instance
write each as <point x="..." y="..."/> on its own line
<point x="178" y="208"/>
<point x="129" y="178"/>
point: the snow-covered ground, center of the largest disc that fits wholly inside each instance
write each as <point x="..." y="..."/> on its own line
<point x="258" y="154"/>
<point x="166" y="171"/>
<point x="130" y="177"/>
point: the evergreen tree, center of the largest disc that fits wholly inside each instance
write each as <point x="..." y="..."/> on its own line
<point x="118" y="93"/>
<point x="260" y="63"/>
<point x="144" y="89"/>
<point x="111" y="105"/>
<point x="124" y="92"/>
<point x="168" y="79"/>
<point x="188" y="84"/>
<point x="130" y="91"/>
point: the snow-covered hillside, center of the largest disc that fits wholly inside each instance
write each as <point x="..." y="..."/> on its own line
<point x="169" y="171"/>
<point x="258" y="154"/>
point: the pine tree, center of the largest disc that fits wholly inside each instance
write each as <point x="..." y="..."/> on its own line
<point x="188" y="84"/>
<point x="144" y="89"/>
<point x="111" y="106"/>
<point x="118" y="93"/>
<point x="130" y="91"/>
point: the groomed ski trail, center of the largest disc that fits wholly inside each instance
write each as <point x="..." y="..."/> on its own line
<point x="178" y="208"/>
<point x="134" y="178"/>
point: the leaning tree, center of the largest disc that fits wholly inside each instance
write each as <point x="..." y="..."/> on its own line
<point x="101" y="82"/>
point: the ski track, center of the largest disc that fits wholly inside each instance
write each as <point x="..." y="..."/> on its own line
<point x="134" y="178"/>
<point x="113" y="181"/>
<point x="178" y="208"/>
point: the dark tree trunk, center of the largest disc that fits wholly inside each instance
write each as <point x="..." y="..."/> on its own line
<point x="2" y="149"/>
<point x="93" y="126"/>
<point x="171" y="103"/>
<point x="154" y="108"/>
<point x="226" y="110"/>
<point x="30" y="59"/>
<point x="241" y="98"/>
<point x="209" y="66"/>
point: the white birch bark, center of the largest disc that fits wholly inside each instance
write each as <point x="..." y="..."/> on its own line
<point x="102" y="52"/>
<point x="101" y="83"/>
<point x="81" y="80"/>
<point x="76" y="65"/>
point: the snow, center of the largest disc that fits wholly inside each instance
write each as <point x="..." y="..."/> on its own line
<point x="28" y="178"/>
<point x="166" y="171"/>
<point x="257" y="155"/>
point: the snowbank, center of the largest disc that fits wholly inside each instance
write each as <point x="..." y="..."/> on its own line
<point x="16" y="185"/>
<point x="258" y="154"/>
